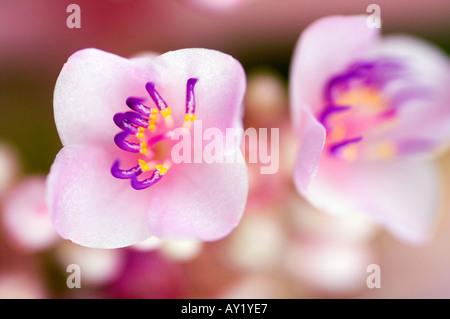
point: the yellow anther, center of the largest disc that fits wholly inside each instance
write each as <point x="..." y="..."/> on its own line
<point x="143" y="147"/>
<point x="152" y="121"/>
<point x="191" y="117"/>
<point x="143" y="165"/>
<point x="166" y="112"/>
<point x="161" y="169"/>
<point x="154" y="110"/>
<point x="140" y="132"/>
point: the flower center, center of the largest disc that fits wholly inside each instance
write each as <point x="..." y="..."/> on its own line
<point x="357" y="110"/>
<point x="146" y="132"/>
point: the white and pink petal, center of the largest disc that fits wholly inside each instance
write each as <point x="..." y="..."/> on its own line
<point x="402" y="195"/>
<point x="89" y="206"/>
<point x="203" y="201"/>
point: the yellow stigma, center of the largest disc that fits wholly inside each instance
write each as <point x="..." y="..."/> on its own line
<point x="143" y="147"/>
<point x="161" y="169"/>
<point x="143" y="165"/>
<point x="151" y="127"/>
<point x="166" y="112"/>
<point x="154" y="110"/>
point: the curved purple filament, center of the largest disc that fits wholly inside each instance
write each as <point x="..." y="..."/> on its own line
<point x="125" y="173"/>
<point x="136" y="104"/>
<point x="159" y="102"/>
<point x="138" y="185"/>
<point x="130" y="121"/>
<point x="336" y="147"/>
<point x="121" y="142"/>
<point x="329" y="111"/>
<point x="190" y="96"/>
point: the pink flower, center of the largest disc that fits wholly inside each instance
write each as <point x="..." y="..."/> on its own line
<point x="114" y="184"/>
<point x="18" y="284"/>
<point x="328" y="254"/>
<point x="368" y="112"/>
<point x="25" y="217"/>
<point x="98" y="266"/>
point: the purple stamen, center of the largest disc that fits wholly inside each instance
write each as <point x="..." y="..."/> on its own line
<point x="136" y="104"/>
<point x="334" y="148"/>
<point x="125" y="173"/>
<point x="190" y="96"/>
<point x="130" y="121"/>
<point x="160" y="104"/>
<point x="136" y="123"/>
<point x="343" y="79"/>
<point x="376" y="73"/>
<point x="121" y="142"/>
<point x="329" y="111"/>
<point x="138" y="185"/>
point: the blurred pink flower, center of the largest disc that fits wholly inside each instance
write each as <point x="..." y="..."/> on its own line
<point x="25" y="216"/>
<point x="368" y="111"/>
<point x="90" y="200"/>
<point x="267" y="131"/>
<point x="258" y="243"/>
<point x="328" y="254"/>
<point x="98" y="266"/>
<point x="21" y="285"/>
<point x="174" y="249"/>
